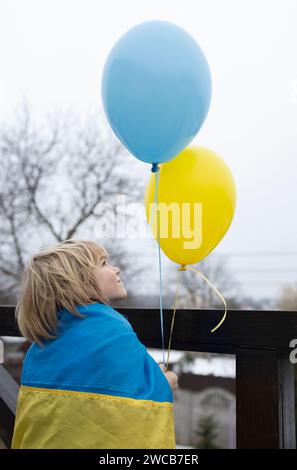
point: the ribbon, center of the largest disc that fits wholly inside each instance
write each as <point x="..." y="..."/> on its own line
<point x="184" y="268"/>
<point x="155" y="169"/>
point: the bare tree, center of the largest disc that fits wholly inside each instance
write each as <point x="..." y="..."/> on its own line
<point x="195" y="292"/>
<point x="288" y="299"/>
<point x="54" y="174"/>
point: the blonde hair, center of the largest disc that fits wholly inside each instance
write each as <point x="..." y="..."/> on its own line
<point x="58" y="277"/>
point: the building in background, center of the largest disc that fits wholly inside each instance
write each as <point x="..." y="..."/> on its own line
<point x="201" y="396"/>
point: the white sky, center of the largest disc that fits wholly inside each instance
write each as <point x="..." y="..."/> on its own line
<point x="53" y="52"/>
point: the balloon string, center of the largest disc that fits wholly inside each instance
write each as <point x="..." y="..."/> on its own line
<point x="155" y="169"/>
<point x="184" y="268"/>
<point x="173" y="316"/>
<point x="216" y="291"/>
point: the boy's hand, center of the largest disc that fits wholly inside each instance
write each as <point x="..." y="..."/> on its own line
<point x="171" y="377"/>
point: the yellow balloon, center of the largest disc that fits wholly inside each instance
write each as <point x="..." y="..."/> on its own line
<point x="196" y="204"/>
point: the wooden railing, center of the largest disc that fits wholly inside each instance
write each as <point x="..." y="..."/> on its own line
<point x="260" y="341"/>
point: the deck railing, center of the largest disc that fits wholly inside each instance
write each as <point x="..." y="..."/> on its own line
<point x="260" y="341"/>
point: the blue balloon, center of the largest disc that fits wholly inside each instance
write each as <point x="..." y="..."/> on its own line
<point x="156" y="90"/>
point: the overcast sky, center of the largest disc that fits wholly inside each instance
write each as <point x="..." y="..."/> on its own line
<point x="53" y="52"/>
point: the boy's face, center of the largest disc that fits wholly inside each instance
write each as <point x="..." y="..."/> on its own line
<point x="109" y="280"/>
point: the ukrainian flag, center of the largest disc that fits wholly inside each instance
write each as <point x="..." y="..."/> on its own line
<point x="95" y="386"/>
